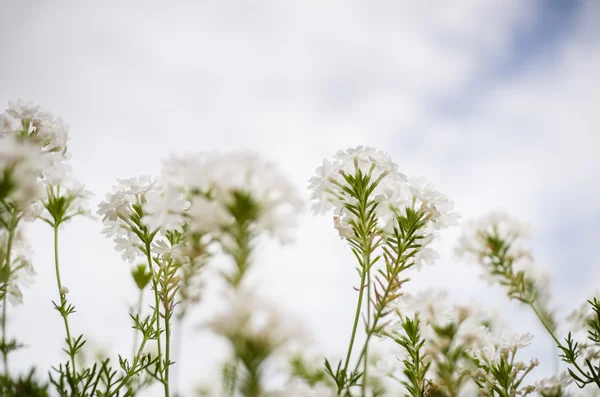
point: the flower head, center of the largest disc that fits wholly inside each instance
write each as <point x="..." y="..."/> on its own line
<point x="237" y="184"/>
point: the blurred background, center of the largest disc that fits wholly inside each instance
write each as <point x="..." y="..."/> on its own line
<point x="496" y="102"/>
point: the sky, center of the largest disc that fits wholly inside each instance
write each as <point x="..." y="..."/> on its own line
<point x="495" y="102"/>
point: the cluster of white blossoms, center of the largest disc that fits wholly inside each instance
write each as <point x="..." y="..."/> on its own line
<point x="121" y="211"/>
<point x="34" y="169"/>
<point x="252" y="320"/>
<point x="499" y="370"/>
<point x="393" y="191"/>
<point x="497" y="238"/>
<point x="20" y="169"/>
<point x="473" y="325"/>
<point x="554" y="385"/>
<point x="29" y="122"/>
<point x="221" y="187"/>
<point x="475" y="244"/>
<point x="578" y="321"/>
<point x="22" y="270"/>
<point x="32" y="151"/>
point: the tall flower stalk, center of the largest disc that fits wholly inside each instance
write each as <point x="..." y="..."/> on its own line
<point x="380" y="213"/>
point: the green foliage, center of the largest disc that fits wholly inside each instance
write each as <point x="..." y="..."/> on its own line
<point x="24" y="386"/>
<point x="415" y="363"/>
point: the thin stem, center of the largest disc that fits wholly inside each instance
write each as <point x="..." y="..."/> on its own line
<point x="167" y="349"/>
<point x="63" y="299"/>
<point x="11" y="235"/>
<point x="548" y="328"/>
<point x="138" y="311"/>
<point x="356" y="317"/>
<point x="156" y="302"/>
<point x="132" y="371"/>
<point x="366" y="349"/>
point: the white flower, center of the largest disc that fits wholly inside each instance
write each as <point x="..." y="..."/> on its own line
<point x="552" y="384"/>
<point x="53" y="132"/>
<point x="325" y="186"/>
<point x="21" y="270"/>
<point x="393" y="193"/>
<point x="129" y="246"/>
<point x="474" y="241"/>
<point x="119" y="217"/>
<point x="8" y="124"/>
<point x="224" y="177"/>
<point x="126" y="193"/>
<point x="164" y="209"/>
<point x="516" y="340"/>
<point x="56" y="168"/>
<point x="207" y="215"/>
<point x="436" y="204"/>
<point x="253" y="318"/>
<point x="21" y="164"/>
<point x="23" y="110"/>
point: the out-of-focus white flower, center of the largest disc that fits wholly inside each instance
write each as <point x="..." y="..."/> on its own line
<point x="516" y="340"/>
<point x="248" y="316"/>
<point x="20" y="168"/>
<point x="40" y="126"/>
<point x="430" y="304"/>
<point x="223" y="177"/>
<point x="207" y="215"/>
<point x="551" y="385"/>
<point x="489" y="355"/>
<point x="474" y="241"/>
<point x="21" y="109"/>
<point x="21" y="269"/>
<point x="164" y="209"/>
<point x="57" y="170"/>
<point x="69" y="192"/>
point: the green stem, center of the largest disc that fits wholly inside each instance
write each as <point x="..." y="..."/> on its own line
<point x="132" y="371"/>
<point x="167" y="349"/>
<point x="548" y="328"/>
<point x="138" y="311"/>
<point x="366" y="349"/>
<point x="156" y="303"/>
<point x="63" y="299"/>
<point x="11" y="235"/>
<point x="356" y="317"/>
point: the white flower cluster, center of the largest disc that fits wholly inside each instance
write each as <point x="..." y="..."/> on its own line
<point x="499" y="370"/>
<point x="34" y="168"/>
<point x="20" y="168"/>
<point x="119" y="214"/>
<point x="249" y="317"/>
<point x="22" y="271"/>
<point x="30" y="122"/>
<point x="473" y="323"/>
<point x="474" y="242"/>
<point x="393" y="192"/>
<point x="480" y="237"/>
<point x="578" y="321"/>
<point x="213" y="182"/>
<point x="554" y="385"/>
